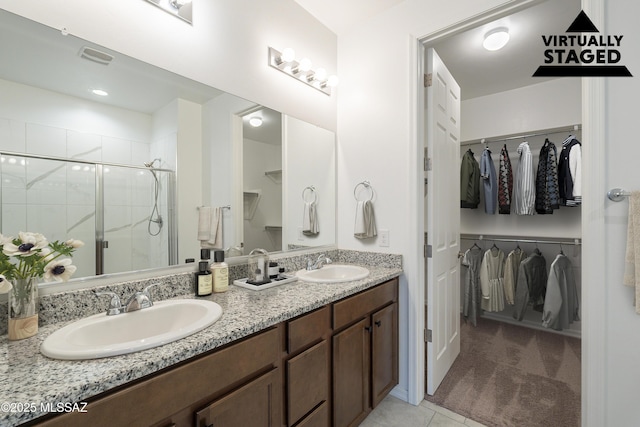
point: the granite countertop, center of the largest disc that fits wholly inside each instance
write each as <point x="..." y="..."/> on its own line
<point x="30" y="379"/>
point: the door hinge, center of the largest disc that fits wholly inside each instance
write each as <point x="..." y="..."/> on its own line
<point x="427" y="160"/>
<point x="428" y="335"/>
<point x="427" y="251"/>
<point x="427" y="79"/>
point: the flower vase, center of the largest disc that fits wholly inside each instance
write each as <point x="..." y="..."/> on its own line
<point x="23" y="308"/>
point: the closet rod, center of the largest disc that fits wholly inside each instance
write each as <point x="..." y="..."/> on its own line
<point x="550" y="241"/>
<point x="528" y="135"/>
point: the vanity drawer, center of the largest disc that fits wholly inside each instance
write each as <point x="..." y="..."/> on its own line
<point x="358" y="306"/>
<point x="308" y="329"/>
<point x="307" y="381"/>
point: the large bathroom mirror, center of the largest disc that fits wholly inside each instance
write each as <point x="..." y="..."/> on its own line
<point x="89" y="149"/>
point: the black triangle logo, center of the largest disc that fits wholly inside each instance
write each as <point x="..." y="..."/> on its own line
<point x="582" y="24"/>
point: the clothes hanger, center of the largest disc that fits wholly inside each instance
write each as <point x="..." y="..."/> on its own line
<point x="561" y="251"/>
<point x="475" y="245"/>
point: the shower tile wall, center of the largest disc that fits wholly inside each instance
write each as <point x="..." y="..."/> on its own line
<point x="58" y="198"/>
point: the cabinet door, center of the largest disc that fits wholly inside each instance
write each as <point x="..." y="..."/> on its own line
<point x="384" y="352"/>
<point x="307" y="381"/>
<point x="351" y="365"/>
<point x="255" y="404"/>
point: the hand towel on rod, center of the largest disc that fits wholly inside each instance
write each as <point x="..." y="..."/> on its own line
<point x="365" y="226"/>
<point x="210" y="227"/>
<point x="310" y="225"/>
<point x="632" y="255"/>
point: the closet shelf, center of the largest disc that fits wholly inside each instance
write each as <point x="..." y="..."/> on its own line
<point x="275" y="175"/>
<point x="512" y="137"/>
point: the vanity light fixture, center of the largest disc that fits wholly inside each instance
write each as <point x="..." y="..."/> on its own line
<point x="179" y="8"/>
<point x="301" y="70"/>
<point x="496" y="39"/>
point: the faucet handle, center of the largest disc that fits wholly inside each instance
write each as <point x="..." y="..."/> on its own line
<point x="146" y="289"/>
<point x="115" y="306"/>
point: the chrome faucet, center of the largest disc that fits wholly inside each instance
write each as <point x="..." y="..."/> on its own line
<point x="137" y="301"/>
<point x="322" y="259"/>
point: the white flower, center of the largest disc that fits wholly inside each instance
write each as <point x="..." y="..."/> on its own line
<point x="30" y="244"/>
<point x="5" y="285"/>
<point x="59" y="270"/>
<point x="47" y="254"/>
<point x="73" y="243"/>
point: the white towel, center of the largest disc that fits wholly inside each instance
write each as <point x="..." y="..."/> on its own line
<point x="365" y="226"/>
<point x="632" y="256"/>
<point x="210" y="227"/>
<point x="310" y="219"/>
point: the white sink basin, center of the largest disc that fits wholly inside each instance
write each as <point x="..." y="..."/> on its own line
<point x="333" y="273"/>
<point x="103" y="336"/>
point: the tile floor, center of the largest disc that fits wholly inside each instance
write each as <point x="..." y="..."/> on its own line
<point x="393" y="412"/>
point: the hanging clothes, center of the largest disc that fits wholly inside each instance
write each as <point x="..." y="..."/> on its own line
<point x="491" y="280"/>
<point x="511" y="266"/>
<point x="489" y="182"/>
<point x="570" y="172"/>
<point x="469" y="181"/>
<point x="531" y="284"/>
<point x="561" y="301"/>
<point x="524" y="190"/>
<point x="505" y="182"/>
<point x="471" y="306"/>
<point x="547" y="189"/>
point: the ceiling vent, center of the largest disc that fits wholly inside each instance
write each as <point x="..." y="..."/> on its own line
<point x="95" y="55"/>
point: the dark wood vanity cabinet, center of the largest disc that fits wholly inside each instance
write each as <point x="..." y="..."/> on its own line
<point x="328" y="367"/>
<point x="365" y="352"/>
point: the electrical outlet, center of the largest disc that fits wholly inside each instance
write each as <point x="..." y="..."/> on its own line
<point x="300" y="235"/>
<point x="384" y="238"/>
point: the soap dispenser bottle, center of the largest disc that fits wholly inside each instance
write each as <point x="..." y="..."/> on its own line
<point x="204" y="282"/>
<point x="220" y="271"/>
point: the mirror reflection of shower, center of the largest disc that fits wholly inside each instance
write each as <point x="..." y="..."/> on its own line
<point x="155" y="217"/>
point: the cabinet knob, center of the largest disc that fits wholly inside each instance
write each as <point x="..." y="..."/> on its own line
<point x="378" y="323"/>
<point x="368" y="328"/>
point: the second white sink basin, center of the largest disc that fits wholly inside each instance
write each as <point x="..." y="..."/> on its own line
<point x="104" y="336"/>
<point x="334" y="273"/>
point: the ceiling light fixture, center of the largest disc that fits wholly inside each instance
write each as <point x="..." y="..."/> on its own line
<point x="255" y="121"/>
<point x="496" y="39"/>
<point x="301" y="70"/>
<point x="99" y="92"/>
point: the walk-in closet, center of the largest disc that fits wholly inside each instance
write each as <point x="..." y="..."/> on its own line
<point x="520" y="329"/>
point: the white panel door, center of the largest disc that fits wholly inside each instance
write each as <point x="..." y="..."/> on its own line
<point x="443" y="220"/>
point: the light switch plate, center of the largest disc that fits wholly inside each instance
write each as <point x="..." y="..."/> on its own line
<point x="384" y="238"/>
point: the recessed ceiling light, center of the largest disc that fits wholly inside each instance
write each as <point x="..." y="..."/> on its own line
<point x="255" y="121"/>
<point x="100" y="92"/>
<point x="496" y="38"/>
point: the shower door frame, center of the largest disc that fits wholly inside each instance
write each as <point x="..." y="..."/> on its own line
<point x="100" y="243"/>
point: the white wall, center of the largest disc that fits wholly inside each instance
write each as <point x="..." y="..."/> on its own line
<point x="621" y="326"/>
<point x="546" y="105"/>
<point x="305" y="147"/>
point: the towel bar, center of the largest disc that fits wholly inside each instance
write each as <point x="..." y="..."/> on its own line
<point x="617" y="194"/>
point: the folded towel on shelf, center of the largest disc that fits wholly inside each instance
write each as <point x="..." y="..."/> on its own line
<point x="365" y="226"/>
<point x="310" y="219"/>
<point x="210" y="227"/>
<point x="632" y="255"/>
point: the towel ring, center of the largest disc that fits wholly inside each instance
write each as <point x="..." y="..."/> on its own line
<point x="313" y="192"/>
<point x="365" y="184"/>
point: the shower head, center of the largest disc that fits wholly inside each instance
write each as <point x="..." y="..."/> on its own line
<point x="151" y="163"/>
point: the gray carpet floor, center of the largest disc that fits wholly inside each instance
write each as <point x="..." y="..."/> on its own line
<point x="508" y="375"/>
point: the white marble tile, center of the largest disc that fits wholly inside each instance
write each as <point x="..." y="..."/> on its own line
<point x="116" y="150"/>
<point x="81" y="184"/>
<point x="140" y="153"/>
<point x="46" y="182"/>
<point x="14" y="219"/>
<point x="84" y="146"/>
<point x="12" y="135"/>
<point x="47" y="219"/>
<point x="46" y="140"/>
<point x="14" y="180"/>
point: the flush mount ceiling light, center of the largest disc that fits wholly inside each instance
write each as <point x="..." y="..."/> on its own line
<point x="99" y="92"/>
<point x="255" y="121"/>
<point x="179" y="8"/>
<point x="496" y="39"/>
<point x="301" y="70"/>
